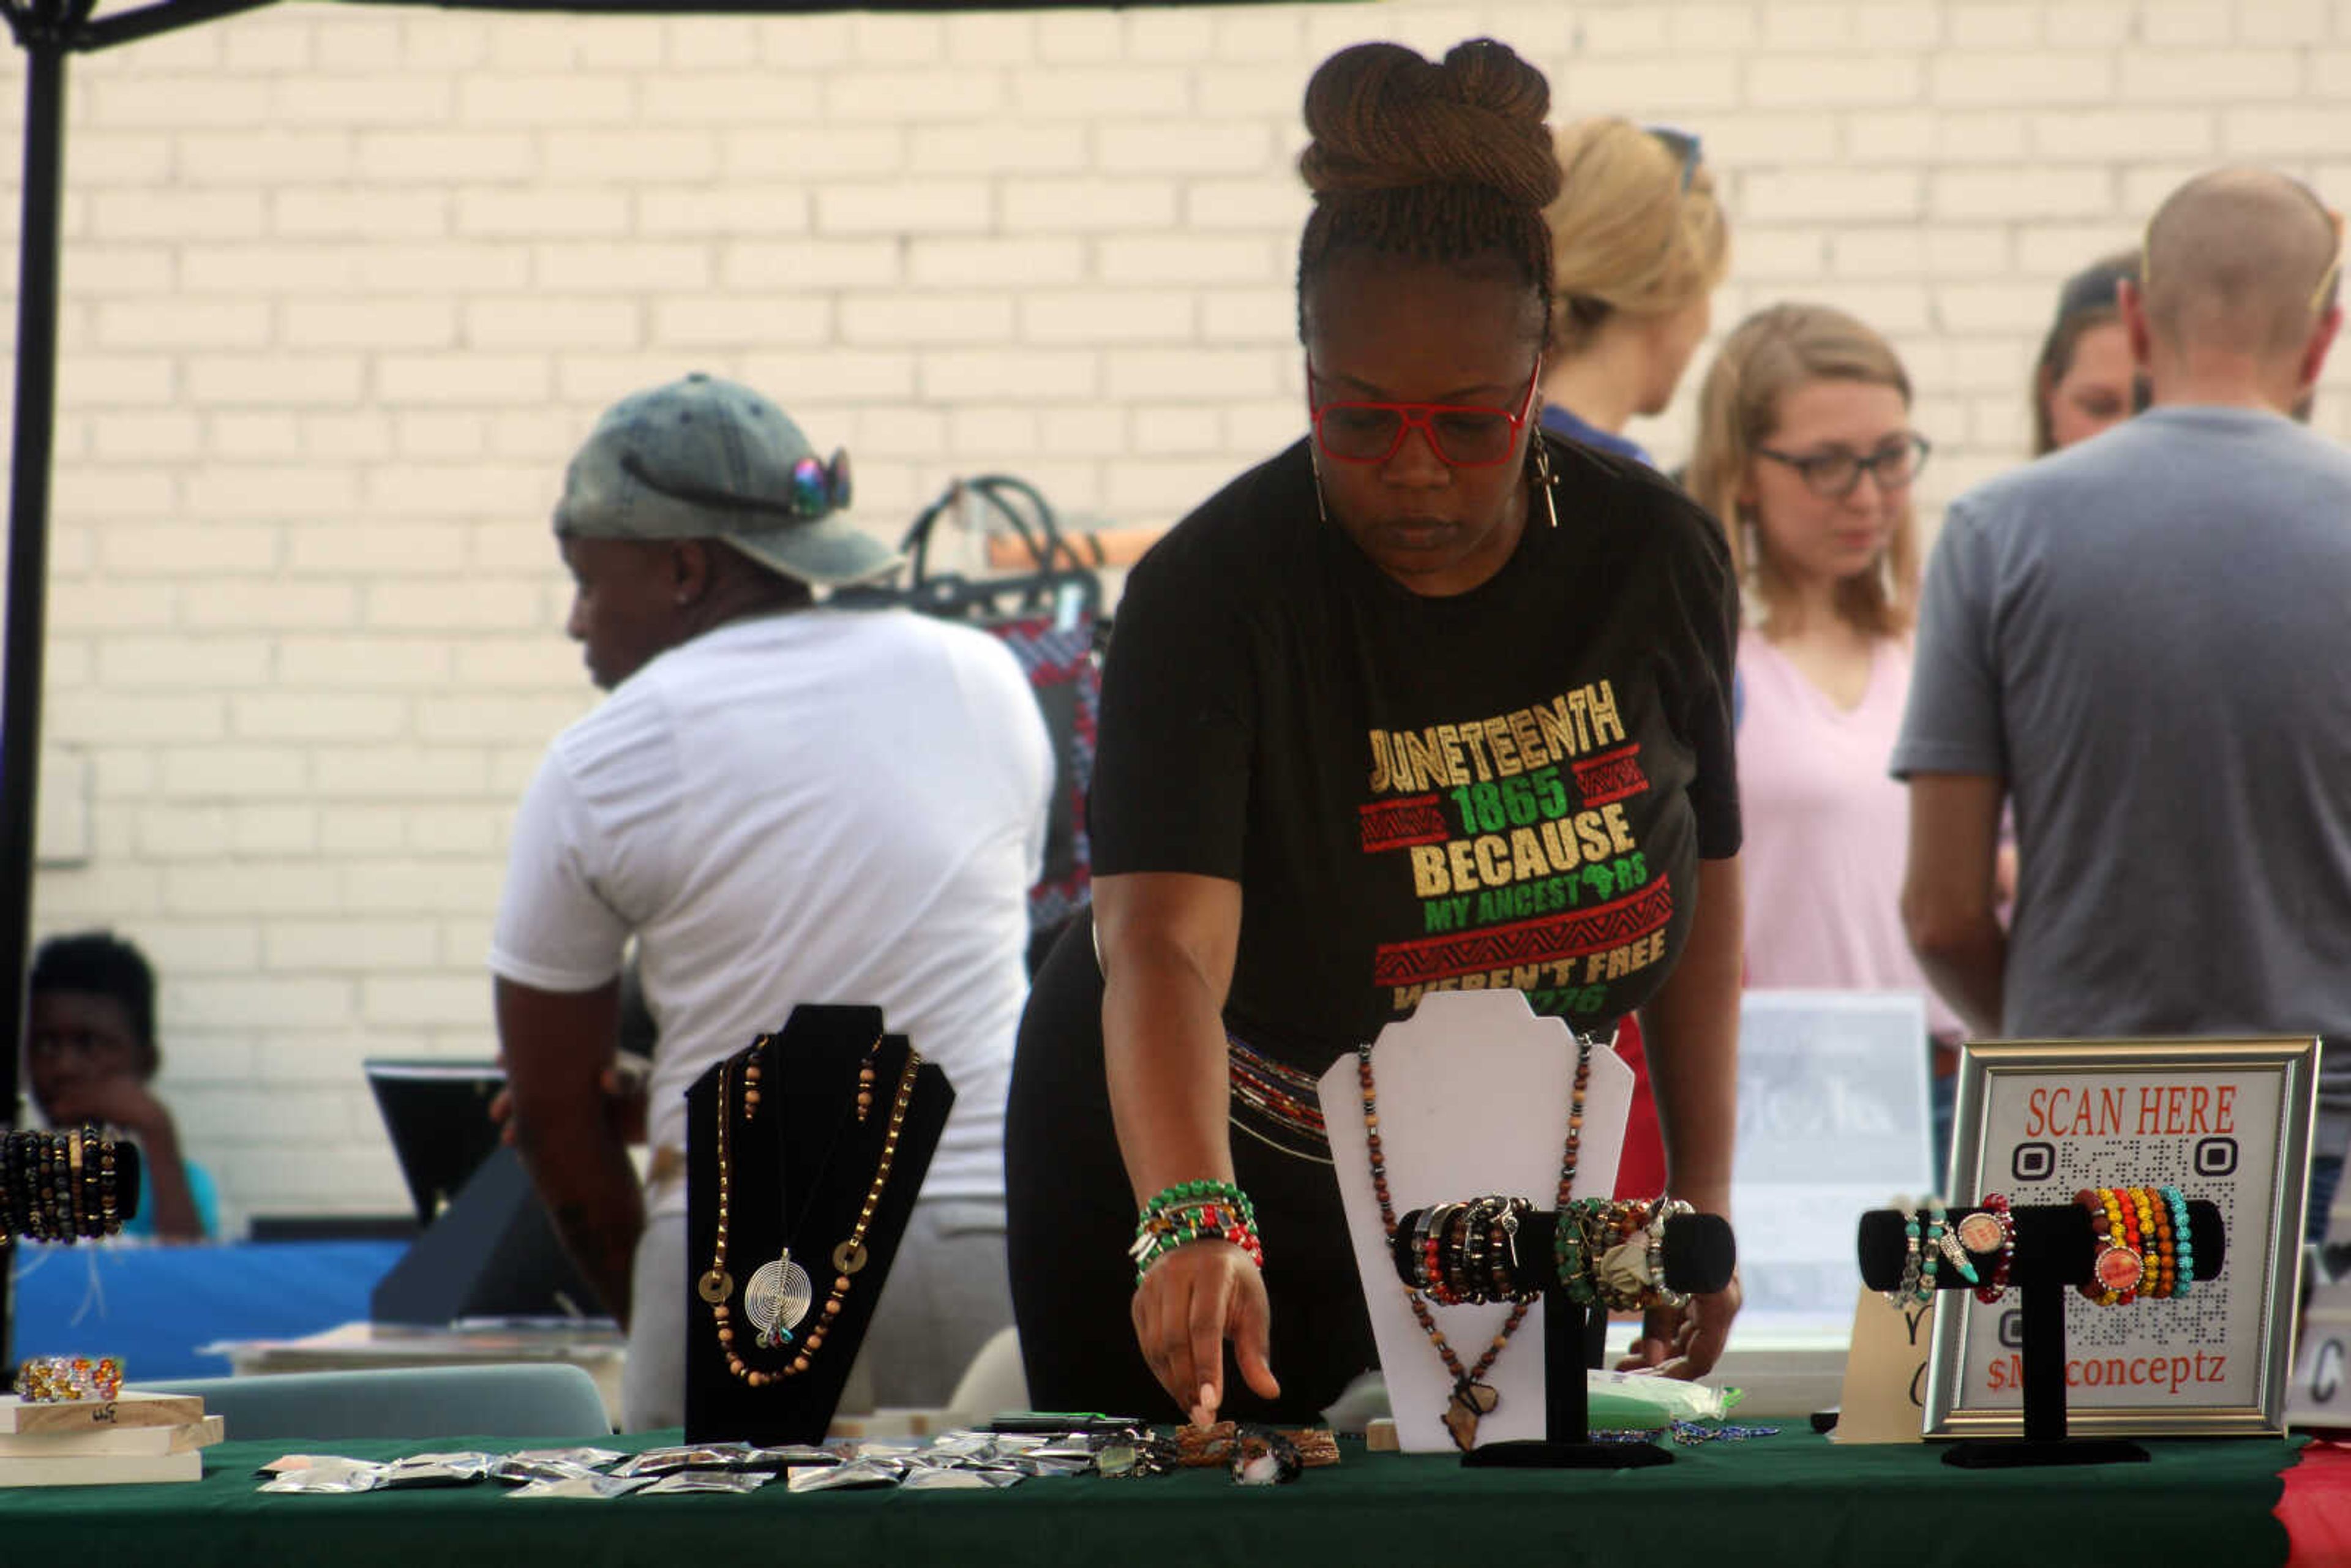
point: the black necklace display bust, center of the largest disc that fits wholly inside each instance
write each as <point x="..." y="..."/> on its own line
<point x="804" y="1153"/>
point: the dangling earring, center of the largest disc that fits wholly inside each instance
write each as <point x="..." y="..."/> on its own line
<point x="1314" y="461"/>
<point x="1543" y="480"/>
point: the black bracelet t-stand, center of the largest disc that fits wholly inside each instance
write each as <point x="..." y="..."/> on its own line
<point x="2055" y="1250"/>
<point x="1698" y="1255"/>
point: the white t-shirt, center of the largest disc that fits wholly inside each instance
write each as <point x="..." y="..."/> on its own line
<point x="823" y="806"/>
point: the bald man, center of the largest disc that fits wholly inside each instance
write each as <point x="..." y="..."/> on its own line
<point x="2145" y="641"/>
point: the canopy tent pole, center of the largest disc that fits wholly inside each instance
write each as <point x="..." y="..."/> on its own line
<point x="47" y="30"/>
<point x="42" y="30"/>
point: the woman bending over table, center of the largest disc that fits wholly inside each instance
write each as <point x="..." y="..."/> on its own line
<point x="1428" y="701"/>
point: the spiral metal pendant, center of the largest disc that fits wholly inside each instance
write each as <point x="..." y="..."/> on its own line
<point x="777" y="1299"/>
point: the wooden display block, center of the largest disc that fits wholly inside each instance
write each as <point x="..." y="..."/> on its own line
<point x="114" y="1440"/>
<point x="102" y="1470"/>
<point x="131" y="1408"/>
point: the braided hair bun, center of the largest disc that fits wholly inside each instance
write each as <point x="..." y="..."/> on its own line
<point x="1384" y="119"/>
<point x="1423" y="161"/>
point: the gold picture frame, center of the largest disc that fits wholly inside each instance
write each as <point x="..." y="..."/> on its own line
<point x="2225" y="1119"/>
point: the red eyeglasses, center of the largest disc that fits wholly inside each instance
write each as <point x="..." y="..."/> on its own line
<point x="1359" y="431"/>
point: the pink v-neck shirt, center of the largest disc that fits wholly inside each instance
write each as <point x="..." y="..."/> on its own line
<point x="1827" y="830"/>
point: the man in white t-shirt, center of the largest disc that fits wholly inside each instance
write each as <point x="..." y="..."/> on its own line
<point x="783" y="802"/>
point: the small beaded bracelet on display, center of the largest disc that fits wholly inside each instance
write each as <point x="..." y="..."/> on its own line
<point x="1611" y="1227"/>
<point x="60" y="1379"/>
<point x="1907" y="1291"/>
<point x="1955" y="1252"/>
<point x="1990" y="1232"/>
<point x="2118" y="1266"/>
<point x="1189" y="1211"/>
<point x="2162" y="1255"/>
<point x="56" y="1187"/>
<point x="1660" y="1212"/>
<point x="1930" y="1246"/>
<point x="1570" y="1253"/>
<point x="1465" y="1252"/>
<point x="2183" y="1248"/>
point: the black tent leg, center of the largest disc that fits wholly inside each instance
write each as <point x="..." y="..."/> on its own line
<point x="29" y="555"/>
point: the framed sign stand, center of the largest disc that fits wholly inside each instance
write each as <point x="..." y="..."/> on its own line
<point x="2055" y="1250"/>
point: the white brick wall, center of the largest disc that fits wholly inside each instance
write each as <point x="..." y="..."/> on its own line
<point x="343" y="285"/>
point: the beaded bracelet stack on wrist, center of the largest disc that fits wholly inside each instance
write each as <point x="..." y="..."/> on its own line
<point x="1189" y="1211"/>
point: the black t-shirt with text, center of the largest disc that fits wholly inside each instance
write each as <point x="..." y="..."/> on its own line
<point x="1510" y="788"/>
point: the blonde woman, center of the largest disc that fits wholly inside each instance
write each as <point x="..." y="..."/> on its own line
<point x="1806" y="452"/>
<point x="1638" y="245"/>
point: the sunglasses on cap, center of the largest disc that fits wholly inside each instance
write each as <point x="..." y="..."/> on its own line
<point x="1360" y="430"/>
<point x="1683" y="144"/>
<point x="816" y="489"/>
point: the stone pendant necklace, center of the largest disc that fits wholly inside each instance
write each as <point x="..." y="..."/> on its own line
<point x="780" y="1294"/>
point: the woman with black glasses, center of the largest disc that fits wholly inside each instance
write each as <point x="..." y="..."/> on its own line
<point x="1805" y="448"/>
<point x="1428" y="701"/>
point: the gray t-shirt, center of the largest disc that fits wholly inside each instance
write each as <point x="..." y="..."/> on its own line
<point x="2148" y="636"/>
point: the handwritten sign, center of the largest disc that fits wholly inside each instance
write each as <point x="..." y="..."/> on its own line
<point x="1885" y="1395"/>
<point x="1833" y="1121"/>
<point x="2226" y="1121"/>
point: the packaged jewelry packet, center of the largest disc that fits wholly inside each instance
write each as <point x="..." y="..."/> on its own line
<point x="318" y="1473"/>
<point x="734" y="1481"/>
<point x="853" y="1474"/>
<point x="587" y="1485"/>
<point x="329" y="1473"/>
<point x="516" y="1470"/>
<point x="723" y="1457"/>
<point x="587" y="1459"/>
<point x="941" y="1477"/>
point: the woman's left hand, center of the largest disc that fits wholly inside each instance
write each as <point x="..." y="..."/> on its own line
<point x="1686" y="1342"/>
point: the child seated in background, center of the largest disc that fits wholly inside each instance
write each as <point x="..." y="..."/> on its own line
<point x="91" y="1057"/>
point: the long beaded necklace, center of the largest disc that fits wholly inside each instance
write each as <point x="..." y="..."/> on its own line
<point x="849" y="1258"/>
<point x="1473" y="1398"/>
<point x="778" y="1297"/>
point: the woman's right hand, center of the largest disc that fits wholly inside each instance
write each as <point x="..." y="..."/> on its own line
<point x="1189" y="1304"/>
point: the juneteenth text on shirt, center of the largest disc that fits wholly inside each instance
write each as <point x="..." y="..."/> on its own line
<point x="1525" y="850"/>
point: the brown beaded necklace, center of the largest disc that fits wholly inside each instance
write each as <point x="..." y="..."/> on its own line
<point x="1473" y="1398"/>
<point x="716" y="1286"/>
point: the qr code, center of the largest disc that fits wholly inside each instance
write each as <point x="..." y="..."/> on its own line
<point x="2050" y="1171"/>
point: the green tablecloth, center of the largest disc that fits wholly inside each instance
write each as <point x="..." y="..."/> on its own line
<point x="1794" y="1498"/>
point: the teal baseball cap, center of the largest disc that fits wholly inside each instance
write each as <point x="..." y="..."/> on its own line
<point x="708" y="458"/>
